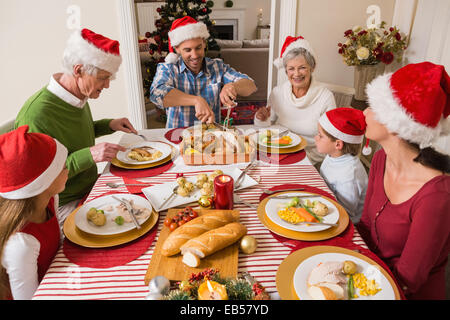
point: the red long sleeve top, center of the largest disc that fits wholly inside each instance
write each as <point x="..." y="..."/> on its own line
<point x="412" y="237"/>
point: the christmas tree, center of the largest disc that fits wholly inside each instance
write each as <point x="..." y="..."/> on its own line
<point x="170" y="11"/>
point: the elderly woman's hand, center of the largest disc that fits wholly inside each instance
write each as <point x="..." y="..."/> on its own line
<point x="263" y="113"/>
<point x="122" y="124"/>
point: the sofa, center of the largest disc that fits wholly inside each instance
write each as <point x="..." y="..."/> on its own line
<point x="247" y="56"/>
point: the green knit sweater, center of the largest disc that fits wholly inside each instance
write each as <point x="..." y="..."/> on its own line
<point x="74" y="128"/>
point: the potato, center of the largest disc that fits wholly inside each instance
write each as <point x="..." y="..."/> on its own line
<point x="349" y="267"/>
<point x="319" y="209"/>
<point x="97" y="217"/>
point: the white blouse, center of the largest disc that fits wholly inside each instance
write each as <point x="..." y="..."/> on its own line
<point x="300" y="115"/>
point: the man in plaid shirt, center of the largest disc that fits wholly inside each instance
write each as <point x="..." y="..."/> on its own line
<point x="192" y="86"/>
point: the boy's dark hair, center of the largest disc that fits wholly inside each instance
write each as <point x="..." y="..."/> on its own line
<point x="353" y="149"/>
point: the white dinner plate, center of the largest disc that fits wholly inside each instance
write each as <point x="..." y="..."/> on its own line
<point x="296" y="140"/>
<point x="163" y="147"/>
<point x="157" y="194"/>
<point x="274" y="205"/>
<point x="106" y="203"/>
<point x="370" y="271"/>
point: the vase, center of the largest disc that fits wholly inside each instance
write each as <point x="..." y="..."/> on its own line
<point x="363" y="75"/>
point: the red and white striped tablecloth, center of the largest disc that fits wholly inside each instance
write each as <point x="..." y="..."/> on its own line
<point x="66" y="280"/>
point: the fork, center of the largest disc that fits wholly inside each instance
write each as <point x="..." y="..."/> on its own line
<point x="241" y="176"/>
<point x="117" y="185"/>
<point x="130" y="210"/>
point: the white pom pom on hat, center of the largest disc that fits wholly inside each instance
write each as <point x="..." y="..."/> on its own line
<point x="292" y="43"/>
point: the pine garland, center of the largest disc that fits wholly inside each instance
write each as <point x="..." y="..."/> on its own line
<point x="237" y="289"/>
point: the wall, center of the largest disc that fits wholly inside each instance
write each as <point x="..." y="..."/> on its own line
<point x="33" y="35"/>
<point x="323" y="22"/>
<point x="251" y="13"/>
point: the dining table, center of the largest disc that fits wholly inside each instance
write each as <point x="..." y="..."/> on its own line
<point x="71" y="277"/>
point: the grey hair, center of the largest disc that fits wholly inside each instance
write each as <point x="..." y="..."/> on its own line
<point x="296" y="52"/>
<point x="68" y="63"/>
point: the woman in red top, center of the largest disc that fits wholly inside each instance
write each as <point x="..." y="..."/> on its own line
<point x="32" y="173"/>
<point x="406" y="216"/>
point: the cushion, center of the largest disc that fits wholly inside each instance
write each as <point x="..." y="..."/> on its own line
<point x="229" y="43"/>
<point x="257" y="43"/>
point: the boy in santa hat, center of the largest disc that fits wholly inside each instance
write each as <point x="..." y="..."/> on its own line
<point x="32" y="173"/>
<point x="191" y="86"/>
<point x="340" y="134"/>
<point x="61" y="110"/>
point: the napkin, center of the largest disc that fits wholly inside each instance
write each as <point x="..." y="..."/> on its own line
<point x="135" y="189"/>
<point x="111" y="256"/>
<point x="174" y="135"/>
<point x="140" y="173"/>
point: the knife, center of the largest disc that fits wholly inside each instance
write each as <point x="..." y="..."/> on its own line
<point x="130" y="210"/>
<point x="291" y="197"/>
<point x="238" y="180"/>
<point x="318" y="223"/>
<point x="267" y="191"/>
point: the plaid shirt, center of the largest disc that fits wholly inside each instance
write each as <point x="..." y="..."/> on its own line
<point x="207" y="83"/>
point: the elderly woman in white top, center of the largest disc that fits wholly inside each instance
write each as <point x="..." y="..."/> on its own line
<point x="298" y="103"/>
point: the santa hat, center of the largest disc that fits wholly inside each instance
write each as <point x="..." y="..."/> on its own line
<point x="413" y="102"/>
<point x="29" y="163"/>
<point x="292" y="43"/>
<point x="183" y="29"/>
<point x="346" y="124"/>
<point x="89" y="48"/>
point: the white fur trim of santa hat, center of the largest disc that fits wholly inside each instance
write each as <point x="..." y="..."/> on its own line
<point x="299" y="43"/>
<point x="44" y="180"/>
<point x="80" y="51"/>
<point x="389" y="112"/>
<point x="188" y="31"/>
<point x="326" y="124"/>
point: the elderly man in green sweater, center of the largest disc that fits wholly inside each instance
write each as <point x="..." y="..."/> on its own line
<point x="61" y="110"/>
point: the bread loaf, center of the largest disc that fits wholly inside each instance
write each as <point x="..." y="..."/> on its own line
<point x="194" y="228"/>
<point x="214" y="240"/>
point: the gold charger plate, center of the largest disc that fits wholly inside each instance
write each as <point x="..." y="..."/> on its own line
<point x="103" y="241"/>
<point x="293" y="149"/>
<point x="304" y="236"/>
<point x="124" y="165"/>
<point x="285" y="273"/>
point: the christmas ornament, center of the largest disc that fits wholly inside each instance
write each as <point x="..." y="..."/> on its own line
<point x="159" y="284"/>
<point x="244" y="287"/>
<point x="248" y="244"/>
<point x="212" y="290"/>
<point x="205" y="202"/>
<point x="154" y="296"/>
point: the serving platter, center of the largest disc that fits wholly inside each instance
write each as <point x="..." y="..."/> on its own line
<point x="158" y="193"/>
<point x="226" y="260"/>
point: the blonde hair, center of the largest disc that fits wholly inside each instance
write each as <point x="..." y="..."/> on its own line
<point x="14" y="214"/>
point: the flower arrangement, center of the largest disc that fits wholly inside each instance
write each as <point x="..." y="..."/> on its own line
<point x="372" y="46"/>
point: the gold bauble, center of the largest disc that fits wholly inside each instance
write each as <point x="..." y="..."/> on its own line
<point x="205" y="202"/>
<point x="248" y="244"/>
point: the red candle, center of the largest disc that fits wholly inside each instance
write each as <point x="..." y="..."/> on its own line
<point x="223" y="192"/>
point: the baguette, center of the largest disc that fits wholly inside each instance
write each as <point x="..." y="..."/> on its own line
<point x="214" y="240"/>
<point x="194" y="228"/>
